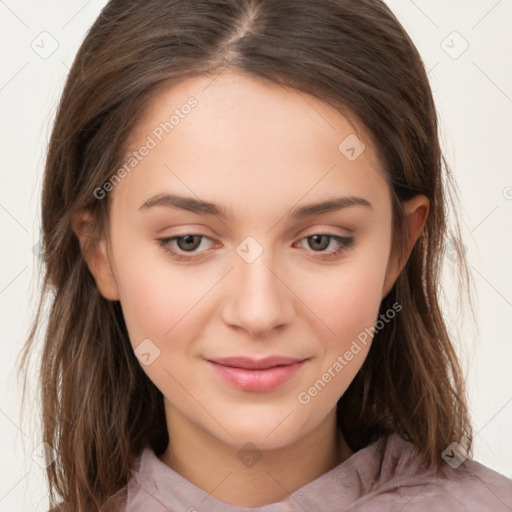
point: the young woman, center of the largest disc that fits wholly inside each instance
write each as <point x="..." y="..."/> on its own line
<point x="244" y="210"/>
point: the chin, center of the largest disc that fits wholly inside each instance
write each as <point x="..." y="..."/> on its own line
<point x="265" y="433"/>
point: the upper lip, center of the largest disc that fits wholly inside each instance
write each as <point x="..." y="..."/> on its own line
<point x="249" y="363"/>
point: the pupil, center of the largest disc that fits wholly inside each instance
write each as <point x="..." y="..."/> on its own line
<point x="317" y="241"/>
<point x="187" y="241"/>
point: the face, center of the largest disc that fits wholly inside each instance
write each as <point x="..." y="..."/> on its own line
<point x="257" y="271"/>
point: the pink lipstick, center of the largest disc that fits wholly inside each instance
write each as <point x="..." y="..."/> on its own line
<point x="256" y="374"/>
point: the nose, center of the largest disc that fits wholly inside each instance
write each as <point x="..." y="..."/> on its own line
<point x="259" y="298"/>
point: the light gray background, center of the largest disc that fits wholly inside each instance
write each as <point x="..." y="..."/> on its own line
<point x="473" y="92"/>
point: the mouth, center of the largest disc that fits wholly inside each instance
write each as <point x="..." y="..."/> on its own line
<point x="256" y="374"/>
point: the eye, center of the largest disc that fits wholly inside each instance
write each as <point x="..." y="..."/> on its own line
<point x="186" y="243"/>
<point x="321" y="241"/>
<point x="189" y="242"/>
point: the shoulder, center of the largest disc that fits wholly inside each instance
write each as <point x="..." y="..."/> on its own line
<point x="473" y="483"/>
<point x="402" y="480"/>
<point x="471" y="486"/>
<point x="116" y="503"/>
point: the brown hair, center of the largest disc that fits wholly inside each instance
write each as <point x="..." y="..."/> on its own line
<point x="99" y="409"/>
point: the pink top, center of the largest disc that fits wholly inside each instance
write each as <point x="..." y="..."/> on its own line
<point x="380" y="477"/>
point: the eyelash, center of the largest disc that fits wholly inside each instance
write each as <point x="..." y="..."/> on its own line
<point x="344" y="243"/>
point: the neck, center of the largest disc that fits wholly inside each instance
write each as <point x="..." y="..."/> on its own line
<point x="251" y="478"/>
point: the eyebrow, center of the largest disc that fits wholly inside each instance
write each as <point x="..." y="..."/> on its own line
<point x="201" y="207"/>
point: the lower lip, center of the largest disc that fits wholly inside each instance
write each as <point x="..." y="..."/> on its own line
<point x="256" y="380"/>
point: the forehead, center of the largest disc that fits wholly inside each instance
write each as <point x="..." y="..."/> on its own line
<point x="234" y="136"/>
<point x="236" y="104"/>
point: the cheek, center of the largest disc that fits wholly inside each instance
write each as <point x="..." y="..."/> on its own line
<point x="348" y="305"/>
<point x="347" y="299"/>
<point x="159" y="299"/>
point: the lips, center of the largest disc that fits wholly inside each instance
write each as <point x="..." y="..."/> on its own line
<point x="255" y="364"/>
<point x="256" y="374"/>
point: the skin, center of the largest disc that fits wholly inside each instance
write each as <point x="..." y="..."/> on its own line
<point x="259" y="150"/>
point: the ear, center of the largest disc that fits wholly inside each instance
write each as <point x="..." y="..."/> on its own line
<point x="96" y="255"/>
<point x="416" y="211"/>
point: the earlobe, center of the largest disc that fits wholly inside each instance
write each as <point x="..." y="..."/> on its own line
<point x="416" y="212"/>
<point x="96" y="255"/>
